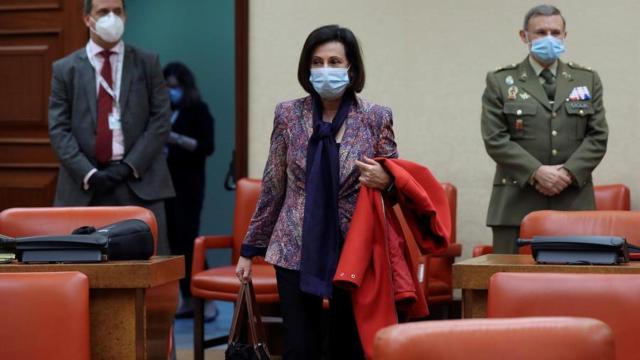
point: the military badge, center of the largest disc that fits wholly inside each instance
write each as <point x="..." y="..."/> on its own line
<point x="509" y="80"/>
<point x="513" y="91"/>
<point x="524" y="96"/>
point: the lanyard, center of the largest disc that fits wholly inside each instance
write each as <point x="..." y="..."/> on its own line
<point x="115" y="91"/>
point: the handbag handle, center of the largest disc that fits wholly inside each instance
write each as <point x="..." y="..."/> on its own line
<point x="256" y="329"/>
<point x="235" y="331"/>
<point x="247" y="300"/>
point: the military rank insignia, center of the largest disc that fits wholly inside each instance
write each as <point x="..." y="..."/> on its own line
<point x="580" y="93"/>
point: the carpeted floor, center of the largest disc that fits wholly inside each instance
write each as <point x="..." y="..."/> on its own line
<point x="183" y="332"/>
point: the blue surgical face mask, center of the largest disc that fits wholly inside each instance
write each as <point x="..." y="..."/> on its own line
<point x="175" y="95"/>
<point x="329" y="83"/>
<point x="547" y="49"/>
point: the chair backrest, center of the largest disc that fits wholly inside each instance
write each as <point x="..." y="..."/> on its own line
<point x="612" y="197"/>
<point x="611" y="298"/>
<point x="565" y="223"/>
<point x="608" y="197"/>
<point x="45" y="316"/>
<point x="480" y="339"/>
<point x="452" y="197"/>
<point x="18" y="222"/>
<point x="247" y="194"/>
<point x="440" y="266"/>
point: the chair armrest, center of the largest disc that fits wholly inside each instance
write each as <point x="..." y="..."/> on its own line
<point x="200" y="246"/>
<point x="452" y="251"/>
<point x="480" y="250"/>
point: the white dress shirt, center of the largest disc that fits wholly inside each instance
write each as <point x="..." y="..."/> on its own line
<point x="117" y="60"/>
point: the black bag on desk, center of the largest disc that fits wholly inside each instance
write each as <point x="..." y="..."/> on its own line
<point x="580" y="250"/>
<point x="126" y="240"/>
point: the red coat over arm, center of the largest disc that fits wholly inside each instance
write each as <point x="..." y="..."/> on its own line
<point x="370" y="267"/>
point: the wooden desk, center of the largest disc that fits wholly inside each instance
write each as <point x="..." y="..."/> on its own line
<point x="472" y="276"/>
<point x="123" y="324"/>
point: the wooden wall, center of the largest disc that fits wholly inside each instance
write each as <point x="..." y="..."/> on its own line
<point x="33" y="34"/>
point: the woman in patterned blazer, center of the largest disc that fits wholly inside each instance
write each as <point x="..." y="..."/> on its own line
<point x="321" y="152"/>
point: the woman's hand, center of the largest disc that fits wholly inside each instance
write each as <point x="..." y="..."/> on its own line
<point x="372" y="174"/>
<point x="243" y="269"/>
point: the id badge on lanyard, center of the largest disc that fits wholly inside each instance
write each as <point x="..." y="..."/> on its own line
<point x="114" y="116"/>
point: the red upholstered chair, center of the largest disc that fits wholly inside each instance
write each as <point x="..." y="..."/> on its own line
<point x="558" y="338"/>
<point x="161" y="301"/>
<point x="608" y="197"/>
<point x="549" y="222"/>
<point x="45" y="316"/>
<point x="611" y="298"/>
<point x="221" y="283"/>
<point x="612" y="197"/>
<point x="439" y="282"/>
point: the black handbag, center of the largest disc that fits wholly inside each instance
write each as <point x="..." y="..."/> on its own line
<point x="246" y="337"/>
<point x="580" y="250"/>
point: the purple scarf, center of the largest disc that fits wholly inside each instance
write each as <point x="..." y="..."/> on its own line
<point x="321" y="236"/>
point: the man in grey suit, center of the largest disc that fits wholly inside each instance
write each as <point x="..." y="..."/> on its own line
<point x="109" y="116"/>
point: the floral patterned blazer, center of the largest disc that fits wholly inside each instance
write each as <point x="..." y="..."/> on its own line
<point x="276" y="225"/>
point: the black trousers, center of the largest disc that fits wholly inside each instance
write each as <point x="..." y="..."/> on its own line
<point x="183" y="226"/>
<point x="309" y="334"/>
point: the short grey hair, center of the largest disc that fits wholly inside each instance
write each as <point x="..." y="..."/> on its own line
<point x="542" y="10"/>
<point x="88" y="5"/>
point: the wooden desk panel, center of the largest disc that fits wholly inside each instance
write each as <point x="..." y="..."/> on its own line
<point x="123" y="324"/>
<point x="472" y="276"/>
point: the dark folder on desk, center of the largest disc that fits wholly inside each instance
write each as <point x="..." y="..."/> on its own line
<point x="580" y="250"/>
<point x="125" y="240"/>
<point x="67" y="248"/>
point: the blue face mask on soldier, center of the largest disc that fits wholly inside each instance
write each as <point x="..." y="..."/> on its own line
<point x="547" y="49"/>
<point x="329" y="83"/>
<point x="175" y="94"/>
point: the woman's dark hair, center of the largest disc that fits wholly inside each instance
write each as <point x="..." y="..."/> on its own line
<point x="323" y="35"/>
<point x="185" y="79"/>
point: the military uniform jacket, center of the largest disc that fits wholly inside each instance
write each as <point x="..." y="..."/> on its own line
<point x="523" y="130"/>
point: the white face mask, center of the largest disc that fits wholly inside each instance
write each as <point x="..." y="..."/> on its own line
<point x="109" y="27"/>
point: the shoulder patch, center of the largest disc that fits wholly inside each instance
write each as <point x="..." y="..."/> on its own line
<point x="574" y="65"/>
<point x="506" y="67"/>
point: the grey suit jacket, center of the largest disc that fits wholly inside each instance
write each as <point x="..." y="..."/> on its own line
<point x="145" y="113"/>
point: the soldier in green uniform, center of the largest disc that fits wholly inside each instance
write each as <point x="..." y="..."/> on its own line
<point x="543" y="123"/>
